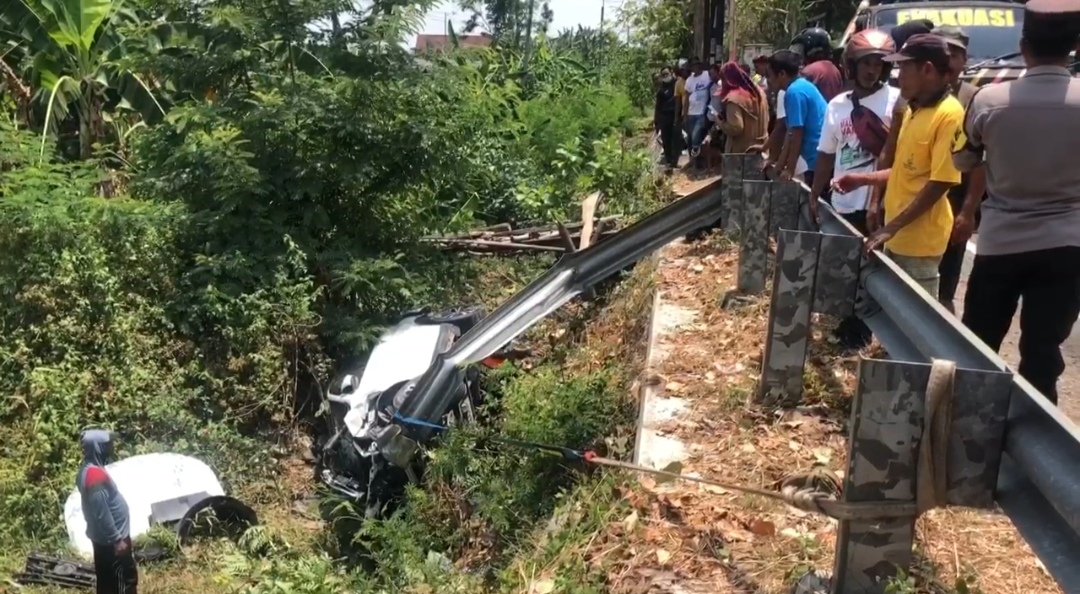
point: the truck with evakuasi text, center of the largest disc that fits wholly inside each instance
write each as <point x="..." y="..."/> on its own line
<point x="993" y="29"/>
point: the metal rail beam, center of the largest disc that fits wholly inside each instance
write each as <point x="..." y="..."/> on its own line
<point x="1039" y="479"/>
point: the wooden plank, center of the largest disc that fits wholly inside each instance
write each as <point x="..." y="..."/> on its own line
<point x="588" y="213"/>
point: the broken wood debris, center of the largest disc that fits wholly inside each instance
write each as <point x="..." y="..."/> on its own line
<point x="560" y="237"/>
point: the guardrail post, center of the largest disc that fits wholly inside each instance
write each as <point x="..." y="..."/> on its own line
<point x="788" y="331"/>
<point x="886" y="429"/>
<point x="731" y="192"/>
<point x="784" y="207"/>
<point x="839" y="265"/>
<point x="886" y="426"/>
<point x="754" y="237"/>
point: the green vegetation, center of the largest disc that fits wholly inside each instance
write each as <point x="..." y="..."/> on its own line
<point x="204" y="204"/>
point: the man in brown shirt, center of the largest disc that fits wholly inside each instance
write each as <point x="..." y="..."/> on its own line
<point x="1028" y="248"/>
<point x="815" y="46"/>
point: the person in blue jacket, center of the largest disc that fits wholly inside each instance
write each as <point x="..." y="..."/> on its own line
<point x="108" y="522"/>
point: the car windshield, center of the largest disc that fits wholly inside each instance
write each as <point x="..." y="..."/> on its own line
<point x="992" y="32"/>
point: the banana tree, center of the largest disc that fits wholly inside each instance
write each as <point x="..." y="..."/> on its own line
<point x="74" y="48"/>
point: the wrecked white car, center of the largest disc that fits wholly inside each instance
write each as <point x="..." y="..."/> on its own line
<point x="162" y="489"/>
<point x="362" y="398"/>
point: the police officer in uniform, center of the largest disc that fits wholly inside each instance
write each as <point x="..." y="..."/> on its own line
<point x="1025" y="132"/>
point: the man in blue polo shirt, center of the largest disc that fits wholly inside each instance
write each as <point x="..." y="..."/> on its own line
<point x="804" y="109"/>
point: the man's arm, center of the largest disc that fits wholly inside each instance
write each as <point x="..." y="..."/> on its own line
<point x="826" y="156"/>
<point x="885" y="162"/>
<point x="967" y="145"/>
<point x="775" y="143"/>
<point x="795" y="110"/>
<point x="975" y="191"/>
<point x="791" y="150"/>
<point x="685" y="100"/>
<point x="823" y="171"/>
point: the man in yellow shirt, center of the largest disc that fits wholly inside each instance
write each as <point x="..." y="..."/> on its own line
<point x="918" y="218"/>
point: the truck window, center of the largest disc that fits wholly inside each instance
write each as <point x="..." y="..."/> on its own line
<point x="992" y="31"/>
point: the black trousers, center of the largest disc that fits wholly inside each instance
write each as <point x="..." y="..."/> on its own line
<point x="952" y="261"/>
<point x="116" y="574"/>
<point x="669" y="137"/>
<point x="1048" y="282"/>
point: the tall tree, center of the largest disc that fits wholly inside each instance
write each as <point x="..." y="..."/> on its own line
<point x="508" y="21"/>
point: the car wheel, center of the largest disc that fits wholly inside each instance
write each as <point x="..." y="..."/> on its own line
<point x="464" y="318"/>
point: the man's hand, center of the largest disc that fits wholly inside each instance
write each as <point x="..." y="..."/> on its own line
<point x="873" y="216"/>
<point x="878" y="238"/>
<point x="963" y="227"/>
<point x="121" y="546"/>
<point x="786" y="174"/>
<point x="848" y="183"/>
<point x="814" y="216"/>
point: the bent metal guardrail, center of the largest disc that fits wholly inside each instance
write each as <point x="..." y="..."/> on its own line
<point x="1008" y="444"/>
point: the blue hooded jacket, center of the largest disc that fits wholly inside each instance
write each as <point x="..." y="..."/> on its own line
<point x="104" y="508"/>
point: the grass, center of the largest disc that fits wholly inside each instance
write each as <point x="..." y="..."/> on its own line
<point x="508" y="521"/>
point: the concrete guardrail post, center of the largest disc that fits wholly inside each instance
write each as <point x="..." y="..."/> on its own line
<point x="887" y="419"/>
<point x="784" y="207"/>
<point x="788" y="332"/>
<point x="754" y="237"/>
<point x="731" y="193"/>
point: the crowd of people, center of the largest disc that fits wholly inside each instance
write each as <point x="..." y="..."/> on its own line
<point x="916" y="166"/>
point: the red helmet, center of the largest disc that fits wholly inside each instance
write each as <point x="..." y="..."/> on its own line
<point x="871" y="42"/>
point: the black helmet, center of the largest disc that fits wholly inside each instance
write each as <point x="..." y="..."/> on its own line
<point x="812" y="42"/>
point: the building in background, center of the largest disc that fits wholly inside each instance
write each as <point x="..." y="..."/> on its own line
<point x="427" y="42"/>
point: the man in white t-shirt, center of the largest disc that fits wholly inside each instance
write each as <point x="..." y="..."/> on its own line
<point x="848" y="145"/>
<point x="697" y="103"/>
<point x="841" y="150"/>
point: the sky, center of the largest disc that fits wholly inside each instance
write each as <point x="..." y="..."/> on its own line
<point x="568" y="14"/>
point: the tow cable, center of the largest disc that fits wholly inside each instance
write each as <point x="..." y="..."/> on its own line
<point x="817" y="491"/>
<point x="813" y="492"/>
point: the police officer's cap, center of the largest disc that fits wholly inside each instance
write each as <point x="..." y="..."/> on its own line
<point x="954" y="36"/>
<point x="1052" y="17"/>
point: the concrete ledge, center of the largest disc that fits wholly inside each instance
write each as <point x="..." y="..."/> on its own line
<point x="651" y="447"/>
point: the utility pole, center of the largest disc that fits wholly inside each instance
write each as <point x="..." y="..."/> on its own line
<point x="700" y="20"/>
<point x="733" y="27"/>
<point x="528" y="33"/>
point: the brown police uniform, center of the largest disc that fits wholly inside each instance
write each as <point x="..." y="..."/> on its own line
<point x="1025" y="131"/>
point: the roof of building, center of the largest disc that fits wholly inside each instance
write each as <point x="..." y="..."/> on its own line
<point x="426" y="42"/>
